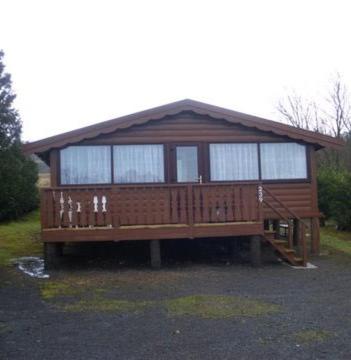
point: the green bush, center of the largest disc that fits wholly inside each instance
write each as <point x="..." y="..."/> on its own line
<point x="334" y="195"/>
<point x="18" y="177"/>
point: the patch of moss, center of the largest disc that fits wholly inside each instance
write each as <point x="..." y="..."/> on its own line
<point x="110" y="305"/>
<point x="212" y="306"/>
<point x="52" y="289"/>
<point x="20" y="238"/>
<point x="4" y="328"/>
<point x="311" y="336"/>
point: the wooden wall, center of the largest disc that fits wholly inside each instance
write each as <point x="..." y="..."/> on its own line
<point x="188" y="127"/>
<point x="183" y="128"/>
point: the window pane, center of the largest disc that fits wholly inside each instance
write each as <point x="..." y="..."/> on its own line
<point x="233" y="162"/>
<point x="283" y="161"/>
<point x="187" y="164"/>
<point x="85" y="165"/>
<point x="138" y="163"/>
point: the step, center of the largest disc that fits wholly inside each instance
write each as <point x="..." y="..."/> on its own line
<point x="280" y="242"/>
<point x="290" y="251"/>
<point x="298" y="259"/>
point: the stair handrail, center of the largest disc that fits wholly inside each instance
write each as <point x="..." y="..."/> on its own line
<point x="294" y="215"/>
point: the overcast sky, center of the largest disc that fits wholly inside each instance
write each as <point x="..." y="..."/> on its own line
<point x="77" y="62"/>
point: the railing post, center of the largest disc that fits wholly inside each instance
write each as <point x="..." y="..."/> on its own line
<point x="260" y="202"/>
<point x="43" y="209"/>
<point x="290" y="234"/>
<point x="190" y="205"/>
<point x="304" y="246"/>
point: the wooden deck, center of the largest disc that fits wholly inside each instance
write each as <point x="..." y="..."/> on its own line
<point x="143" y="212"/>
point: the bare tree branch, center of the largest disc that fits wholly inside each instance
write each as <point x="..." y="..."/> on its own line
<point x="334" y="119"/>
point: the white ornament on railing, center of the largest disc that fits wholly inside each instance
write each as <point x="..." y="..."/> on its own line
<point x="96" y="202"/>
<point x="62" y="207"/>
<point x="79" y="207"/>
<point x="260" y="193"/>
<point x="104" y="202"/>
<point x="70" y="210"/>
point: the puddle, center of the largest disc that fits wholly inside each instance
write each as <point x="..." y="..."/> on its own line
<point x="32" y="266"/>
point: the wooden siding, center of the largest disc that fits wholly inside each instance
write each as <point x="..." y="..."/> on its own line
<point x="185" y="128"/>
<point x="296" y="196"/>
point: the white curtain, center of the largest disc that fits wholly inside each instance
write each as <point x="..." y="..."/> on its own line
<point x="283" y="161"/>
<point x="187" y="164"/>
<point x="85" y="165"/>
<point x="138" y="163"/>
<point x="233" y="162"/>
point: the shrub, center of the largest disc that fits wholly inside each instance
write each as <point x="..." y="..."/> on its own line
<point x="334" y="195"/>
<point x="18" y="177"/>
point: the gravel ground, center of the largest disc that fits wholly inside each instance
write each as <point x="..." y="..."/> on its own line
<point x="314" y="320"/>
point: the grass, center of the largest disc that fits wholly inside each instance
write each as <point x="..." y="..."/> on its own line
<point x="312" y="336"/>
<point x="20" y="238"/>
<point x="217" y="307"/>
<point x="44" y="180"/>
<point x="336" y="240"/>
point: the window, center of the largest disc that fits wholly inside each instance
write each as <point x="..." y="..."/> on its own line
<point x="85" y="165"/>
<point x="233" y="162"/>
<point x="283" y="161"/>
<point x="187" y="164"/>
<point x="138" y="164"/>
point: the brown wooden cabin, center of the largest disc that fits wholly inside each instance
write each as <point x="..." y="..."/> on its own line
<point x="182" y="171"/>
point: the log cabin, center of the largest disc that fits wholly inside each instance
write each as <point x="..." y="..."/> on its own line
<point x="184" y="170"/>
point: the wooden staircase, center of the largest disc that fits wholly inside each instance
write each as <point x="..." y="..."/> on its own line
<point x="285" y="248"/>
<point x="282" y="247"/>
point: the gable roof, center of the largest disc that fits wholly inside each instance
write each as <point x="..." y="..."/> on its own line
<point x="157" y="113"/>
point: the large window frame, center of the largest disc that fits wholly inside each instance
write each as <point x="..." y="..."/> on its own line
<point x="60" y="162"/>
<point x="292" y="179"/>
<point x="204" y="152"/>
<point x="255" y="148"/>
<point x="307" y="179"/>
<point x="164" y="156"/>
<point x="112" y="171"/>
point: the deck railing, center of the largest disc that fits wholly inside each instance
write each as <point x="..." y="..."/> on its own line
<point x="132" y="205"/>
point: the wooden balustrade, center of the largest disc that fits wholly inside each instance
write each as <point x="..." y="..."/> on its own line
<point x="117" y="206"/>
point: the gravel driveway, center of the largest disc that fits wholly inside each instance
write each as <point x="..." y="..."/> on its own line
<point x="209" y="310"/>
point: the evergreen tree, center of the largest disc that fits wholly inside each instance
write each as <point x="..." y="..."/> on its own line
<point x="18" y="174"/>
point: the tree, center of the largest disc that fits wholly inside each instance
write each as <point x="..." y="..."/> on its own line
<point x="338" y="113"/>
<point x="301" y="113"/>
<point x="18" y="174"/>
<point x="333" y="117"/>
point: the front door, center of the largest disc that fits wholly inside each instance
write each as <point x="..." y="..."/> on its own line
<point x="186" y="165"/>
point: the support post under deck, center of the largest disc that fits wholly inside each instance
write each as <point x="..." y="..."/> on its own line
<point x="234" y="249"/>
<point x="155" y="254"/>
<point x="52" y="254"/>
<point x="255" y="250"/>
